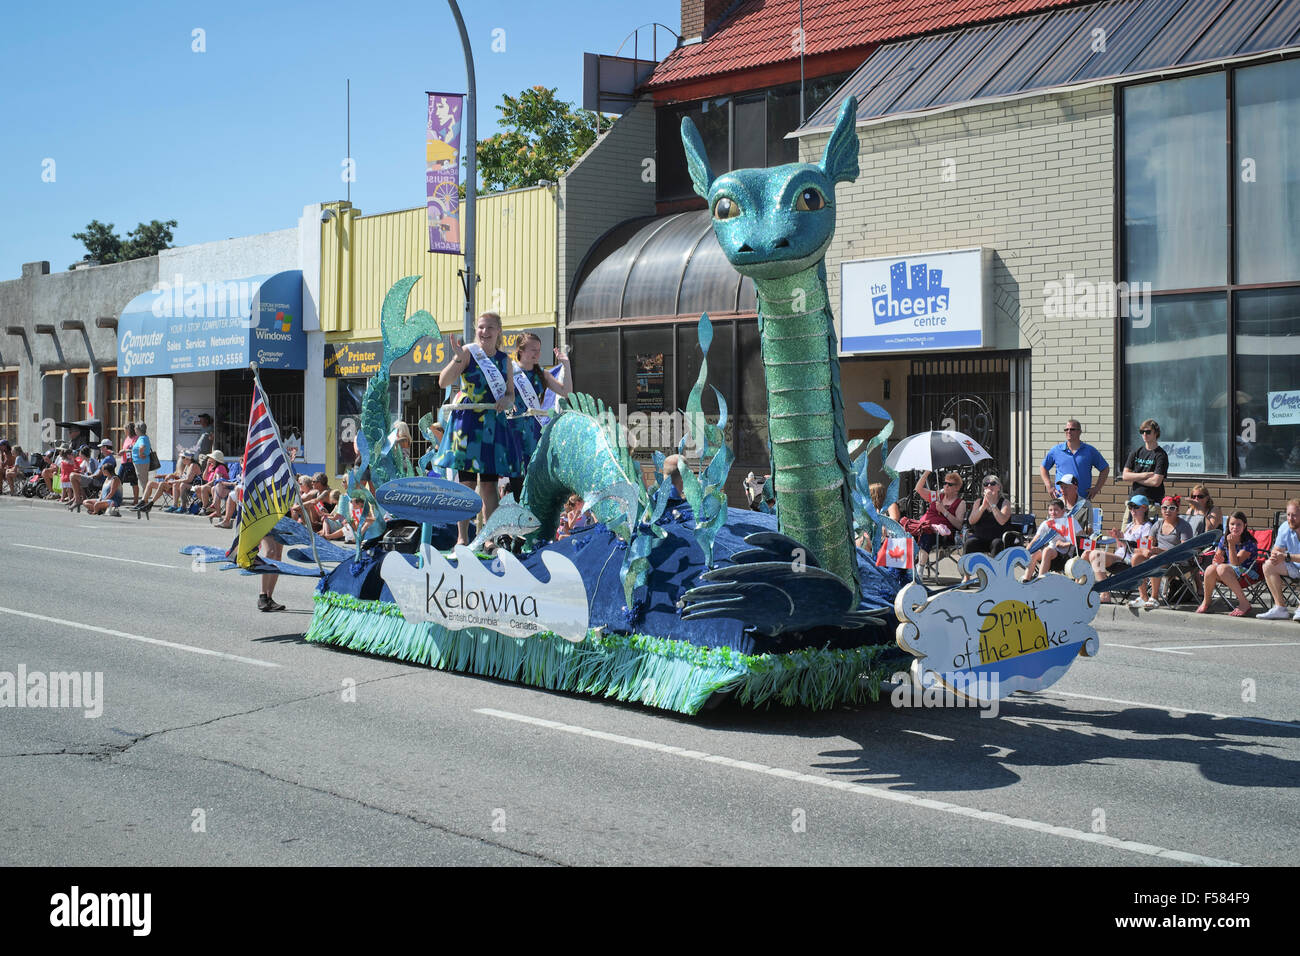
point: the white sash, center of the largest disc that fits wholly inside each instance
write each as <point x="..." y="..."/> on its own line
<point x="525" y="389"/>
<point x="496" y="382"/>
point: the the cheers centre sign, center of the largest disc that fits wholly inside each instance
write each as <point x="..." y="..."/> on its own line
<point x="914" y="303"/>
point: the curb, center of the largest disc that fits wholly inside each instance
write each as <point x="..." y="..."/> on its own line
<point x="1118" y="619"/>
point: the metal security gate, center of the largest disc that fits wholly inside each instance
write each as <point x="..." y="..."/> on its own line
<point x="972" y="395"/>
<point x="284" y="396"/>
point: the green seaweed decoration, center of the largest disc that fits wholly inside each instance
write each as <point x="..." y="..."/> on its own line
<point x="865" y="514"/>
<point x="706" y="493"/>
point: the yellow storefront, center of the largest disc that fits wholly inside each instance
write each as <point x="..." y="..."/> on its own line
<point x="362" y="256"/>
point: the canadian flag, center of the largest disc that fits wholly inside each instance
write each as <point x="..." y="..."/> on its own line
<point x="896" y="553"/>
<point x="1066" y="529"/>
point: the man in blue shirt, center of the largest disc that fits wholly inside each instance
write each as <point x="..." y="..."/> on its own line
<point x="1074" y="457"/>
<point x="1283" y="561"/>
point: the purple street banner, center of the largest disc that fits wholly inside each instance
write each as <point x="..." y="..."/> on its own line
<point x="442" y="171"/>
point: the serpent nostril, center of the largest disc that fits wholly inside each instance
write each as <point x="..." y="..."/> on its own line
<point x="782" y="243"/>
<point x="744" y="247"/>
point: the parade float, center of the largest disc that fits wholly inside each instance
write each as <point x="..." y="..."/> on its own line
<point x="672" y="598"/>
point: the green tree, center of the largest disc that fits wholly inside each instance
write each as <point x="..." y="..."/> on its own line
<point x="543" y="137"/>
<point x="146" y="239"/>
<point x="104" y="245"/>
<point x="101" y="242"/>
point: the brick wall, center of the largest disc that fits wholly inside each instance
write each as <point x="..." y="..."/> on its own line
<point x="609" y="184"/>
<point x="1033" y="180"/>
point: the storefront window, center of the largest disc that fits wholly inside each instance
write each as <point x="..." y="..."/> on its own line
<point x="650" y="386"/>
<point x="1267" y="103"/>
<point x="1226" y="415"/>
<point x="1268" y="382"/>
<point x="1175" y="186"/>
<point x="9" y="406"/>
<point x="739" y="132"/>
<point x="351" y="391"/>
<point x="1176" y="371"/>
<point x="125" y="404"/>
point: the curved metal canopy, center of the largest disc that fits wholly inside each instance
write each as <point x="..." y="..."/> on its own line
<point x="672" y="265"/>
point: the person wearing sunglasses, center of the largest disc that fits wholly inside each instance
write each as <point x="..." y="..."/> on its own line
<point x="1167" y="531"/>
<point x="1147" y="466"/>
<point x="1075" y="457"/>
<point x="943" y="517"/>
<point x="1202" y="514"/>
<point x="990" y="521"/>
<point x="1283" y="562"/>
<point x="1137" y="531"/>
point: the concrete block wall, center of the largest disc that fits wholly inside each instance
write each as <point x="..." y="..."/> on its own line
<point x="82" y="295"/>
<point x="1031" y="179"/>
<point x="608" y="185"/>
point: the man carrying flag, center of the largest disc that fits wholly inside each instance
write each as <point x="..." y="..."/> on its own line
<point x="265" y="493"/>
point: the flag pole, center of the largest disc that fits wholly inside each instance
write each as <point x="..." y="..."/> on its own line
<point x="293" y="480"/>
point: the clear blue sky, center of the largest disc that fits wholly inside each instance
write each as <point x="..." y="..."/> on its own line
<point x="235" y="140"/>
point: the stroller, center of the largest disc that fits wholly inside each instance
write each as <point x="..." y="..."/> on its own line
<point x="33" y="484"/>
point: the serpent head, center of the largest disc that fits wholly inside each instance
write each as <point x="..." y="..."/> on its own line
<point x="778" y="221"/>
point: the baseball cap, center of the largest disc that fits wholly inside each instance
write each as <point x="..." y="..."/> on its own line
<point x="1067" y="480"/>
<point x="105" y="444"/>
<point x="1142" y="500"/>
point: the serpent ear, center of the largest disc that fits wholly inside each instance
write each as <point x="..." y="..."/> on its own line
<point x="840" y="161"/>
<point x="697" y="160"/>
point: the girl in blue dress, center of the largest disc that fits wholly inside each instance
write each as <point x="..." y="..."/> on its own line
<point x="527" y="355"/>
<point x="481" y="445"/>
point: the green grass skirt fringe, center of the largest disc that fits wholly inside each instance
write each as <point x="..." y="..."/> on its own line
<point x="668" y="674"/>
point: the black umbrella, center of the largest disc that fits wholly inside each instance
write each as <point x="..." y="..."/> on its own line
<point x="931" y="451"/>
<point x="86" y="425"/>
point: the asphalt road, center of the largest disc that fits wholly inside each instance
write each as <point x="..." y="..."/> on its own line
<point x="225" y="738"/>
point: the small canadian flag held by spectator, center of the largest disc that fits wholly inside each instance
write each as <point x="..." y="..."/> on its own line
<point x="896" y="553"/>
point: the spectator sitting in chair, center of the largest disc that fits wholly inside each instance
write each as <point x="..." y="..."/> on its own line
<point x="1234" y="558"/>
<point x="990" y="521"/>
<point x="943" y="517"/>
<point x="9" y="470"/>
<point x="214" y="473"/>
<point x="1283" y="562"/>
<point x="187" y="470"/>
<point x="1167" y="532"/>
<point x="1077" y="507"/>
<point x="1052" y="555"/>
<point x="110" y="493"/>
<point x="1202" y="514"/>
<point x="88" y="485"/>
<point x="1136" y="529"/>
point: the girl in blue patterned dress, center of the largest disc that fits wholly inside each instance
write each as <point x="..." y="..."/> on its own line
<point x="527" y="354"/>
<point x="481" y="446"/>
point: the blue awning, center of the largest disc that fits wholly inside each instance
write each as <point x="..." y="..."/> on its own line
<point x="184" y="327"/>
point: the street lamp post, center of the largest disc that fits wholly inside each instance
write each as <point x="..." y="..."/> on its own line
<point x="469" y="279"/>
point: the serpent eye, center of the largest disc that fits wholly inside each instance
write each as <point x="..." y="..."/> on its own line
<point x="810" y="200"/>
<point x="726" y="208"/>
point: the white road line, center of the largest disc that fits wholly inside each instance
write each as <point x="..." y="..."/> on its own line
<point x="1211" y="647"/>
<point x="1163" y="650"/>
<point x="878" y="793"/>
<point x="97" y="557"/>
<point x="136" y="637"/>
<point x="1173" y="710"/>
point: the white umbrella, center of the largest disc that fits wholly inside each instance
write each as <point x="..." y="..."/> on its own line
<point x="931" y="451"/>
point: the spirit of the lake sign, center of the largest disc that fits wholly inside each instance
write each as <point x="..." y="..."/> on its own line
<point x="1003" y="636"/>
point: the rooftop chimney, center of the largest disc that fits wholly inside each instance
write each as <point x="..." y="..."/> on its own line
<point x="700" y="18"/>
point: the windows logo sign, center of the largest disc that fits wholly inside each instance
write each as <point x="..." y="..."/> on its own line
<point x="914" y="303"/>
